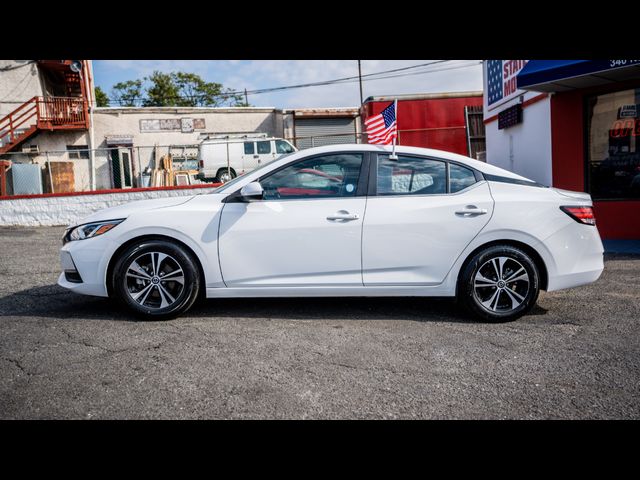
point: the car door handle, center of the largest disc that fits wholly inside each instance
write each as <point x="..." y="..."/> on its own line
<point x="471" y="210"/>
<point x="343" y="215"/>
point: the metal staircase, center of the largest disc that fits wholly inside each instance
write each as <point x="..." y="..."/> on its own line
<point x="42" y="113"/>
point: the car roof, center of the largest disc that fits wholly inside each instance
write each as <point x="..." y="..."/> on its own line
<point x="400" y="149"/>
<point x="239" y="140"/>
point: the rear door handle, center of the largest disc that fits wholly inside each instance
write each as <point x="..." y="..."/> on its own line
<point x="471" y="210"/>
<point x="343" y="215"/>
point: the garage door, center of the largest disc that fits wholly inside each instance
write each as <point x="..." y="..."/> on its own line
<point x="313" y="132"/>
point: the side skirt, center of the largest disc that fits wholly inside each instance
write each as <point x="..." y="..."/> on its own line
<point x="353" y="291"/>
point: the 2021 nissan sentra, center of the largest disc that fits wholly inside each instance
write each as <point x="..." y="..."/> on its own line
<point x="343" y="220"/>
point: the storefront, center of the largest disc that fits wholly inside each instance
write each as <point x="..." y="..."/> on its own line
<point x="593" y="128"/>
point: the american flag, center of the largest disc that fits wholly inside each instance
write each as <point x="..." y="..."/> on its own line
<point x="494" y="81"/>
<point x="382" y="129"/>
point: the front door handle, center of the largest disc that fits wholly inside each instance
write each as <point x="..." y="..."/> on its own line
<point x="343" y="215"/>
<point x="471" y="210"/>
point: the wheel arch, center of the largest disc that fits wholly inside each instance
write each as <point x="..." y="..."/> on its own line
<point x="528" y="249"/>
<point x="165" y="238"/>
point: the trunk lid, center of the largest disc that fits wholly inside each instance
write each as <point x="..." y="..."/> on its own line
<point x="585" y="197"/>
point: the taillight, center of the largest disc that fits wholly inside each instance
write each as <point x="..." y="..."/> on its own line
<point x="201" y="163"/>
<point x="581" y="214"/>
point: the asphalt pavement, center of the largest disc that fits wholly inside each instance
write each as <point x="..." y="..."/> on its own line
<point x="66" y="356"/>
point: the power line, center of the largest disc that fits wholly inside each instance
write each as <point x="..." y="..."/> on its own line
<point x="306" y="85"/>
<point x="368" y="77"/>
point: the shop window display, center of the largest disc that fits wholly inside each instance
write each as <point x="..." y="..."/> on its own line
<point x="613" y="151"/>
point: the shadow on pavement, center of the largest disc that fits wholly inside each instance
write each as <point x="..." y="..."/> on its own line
<point x="52" y="301"/>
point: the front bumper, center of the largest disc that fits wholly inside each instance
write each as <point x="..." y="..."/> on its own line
<point x="89" y="259"/>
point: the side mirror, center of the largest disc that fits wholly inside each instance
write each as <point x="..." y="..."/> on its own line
<point x="252" y="191"/>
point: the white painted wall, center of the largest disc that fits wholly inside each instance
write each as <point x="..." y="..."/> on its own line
<point x="126" y="121"/>
<point x="65" y="210"/>
<point x="525" y="148"/>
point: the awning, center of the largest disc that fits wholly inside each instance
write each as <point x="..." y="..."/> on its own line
<point x="563" y="75"/>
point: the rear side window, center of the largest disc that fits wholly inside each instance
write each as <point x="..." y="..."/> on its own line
<point x="264" y="147"/>
<point x="249" y="148"/>
<point x="411" y="176"/>
<point x="460" y="178"/>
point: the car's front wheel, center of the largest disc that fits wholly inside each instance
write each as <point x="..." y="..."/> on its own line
<point x="499" y="284"/>
<point x="156" y="279"/>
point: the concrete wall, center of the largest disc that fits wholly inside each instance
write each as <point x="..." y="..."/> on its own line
<point x="126" y="121"/>
<point x="65" y="210"/>
<point x="19" y="81"/>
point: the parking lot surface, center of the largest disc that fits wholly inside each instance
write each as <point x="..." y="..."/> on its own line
<point x="577" y="355"/>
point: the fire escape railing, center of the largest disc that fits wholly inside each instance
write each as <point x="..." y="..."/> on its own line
<point x="49" y="112"/>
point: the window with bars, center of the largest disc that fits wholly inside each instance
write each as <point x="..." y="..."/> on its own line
<point x="476" y="140"/>
<point x="78" y="151"/>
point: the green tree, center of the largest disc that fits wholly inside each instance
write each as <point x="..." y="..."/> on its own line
<point x="180" y="89"/>
<point x="102" y="100"/>
<point x="175" y="89"/>
<point x="127" y="94"/>
<point x="195" y="92"/>
<point x="163" y="91"/>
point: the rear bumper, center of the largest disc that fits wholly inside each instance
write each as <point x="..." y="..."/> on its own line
<point x="578" y="256"/>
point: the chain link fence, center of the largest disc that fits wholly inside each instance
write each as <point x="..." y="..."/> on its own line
<point x="85" y="170"/>
<point x="124" y="167"/>
<point x="441" y="138"/>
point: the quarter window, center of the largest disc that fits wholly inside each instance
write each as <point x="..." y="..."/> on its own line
<point x="316" y="177"/>
<point x="460" y="178"/>
<point x="411" y="176"/>
<point x="264" y="147"/>
<point x="249" y="148"/>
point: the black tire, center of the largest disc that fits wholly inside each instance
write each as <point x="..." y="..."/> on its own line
<point x="176" y="298"/>
<point x="222" y="173"/>
<point x="498" y="301"/>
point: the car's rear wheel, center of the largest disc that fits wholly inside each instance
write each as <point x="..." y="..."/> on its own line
<point x="499" y="284"/>
<point x="156" y="279"/>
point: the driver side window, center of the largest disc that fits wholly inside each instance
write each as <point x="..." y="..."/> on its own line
<point x="317" y="177"/>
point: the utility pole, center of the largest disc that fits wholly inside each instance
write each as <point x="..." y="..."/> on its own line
<point x="360" y="79"/>
<point x="246" y="98"/>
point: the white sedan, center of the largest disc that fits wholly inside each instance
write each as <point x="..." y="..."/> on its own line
<point x="343" y="220"/>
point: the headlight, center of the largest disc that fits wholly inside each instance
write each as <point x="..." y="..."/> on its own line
<point x="90" y="230"/>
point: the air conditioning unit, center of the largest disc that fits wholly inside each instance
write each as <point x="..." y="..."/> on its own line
<point x="30" y="149"/>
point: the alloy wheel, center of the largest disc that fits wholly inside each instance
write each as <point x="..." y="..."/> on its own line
<point x="501" y="284"/>
<point x="154" y="280"/>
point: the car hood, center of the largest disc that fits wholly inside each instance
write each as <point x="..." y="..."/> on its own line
<point x="127" y="209"/>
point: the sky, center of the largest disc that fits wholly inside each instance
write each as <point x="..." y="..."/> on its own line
<point x="448" y="76"/>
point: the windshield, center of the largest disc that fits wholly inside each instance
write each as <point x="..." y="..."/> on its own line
<point x="231" y="183"/>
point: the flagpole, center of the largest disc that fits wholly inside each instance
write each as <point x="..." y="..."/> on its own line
<point x="393" y="155"/>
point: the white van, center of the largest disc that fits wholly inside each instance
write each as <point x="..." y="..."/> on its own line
<point x="223" y="157"/>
